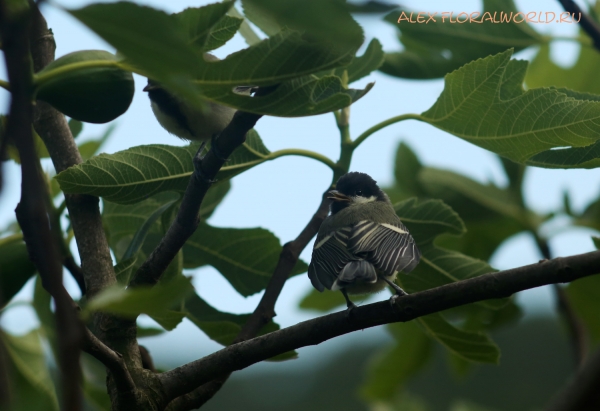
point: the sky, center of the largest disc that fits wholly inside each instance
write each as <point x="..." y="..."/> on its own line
<point x="282" y="195"/>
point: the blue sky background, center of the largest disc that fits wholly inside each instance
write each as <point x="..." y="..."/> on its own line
<point x="283" y="194"/>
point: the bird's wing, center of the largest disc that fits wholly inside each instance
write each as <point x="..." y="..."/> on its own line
<point x="330" y="256"/>
<point x="388" y="246"/>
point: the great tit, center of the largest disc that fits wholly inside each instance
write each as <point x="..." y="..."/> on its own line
<point x="186" y="121"/>
<point x="362" y="245"/>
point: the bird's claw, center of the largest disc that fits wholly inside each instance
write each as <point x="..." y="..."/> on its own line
<point x="198" y="172"/>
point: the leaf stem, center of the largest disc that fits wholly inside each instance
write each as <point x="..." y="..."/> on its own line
<point x="383" y="124"/>
<point x="303" y="153"/>
<point x="43" y="77"/>
<point x="5" y="85"/>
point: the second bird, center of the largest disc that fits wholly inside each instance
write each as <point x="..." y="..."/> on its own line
<point x="183" y="119"/>
<point x="362" y="245"/>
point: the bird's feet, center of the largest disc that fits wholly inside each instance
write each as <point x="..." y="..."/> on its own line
<point x="351" y="306"/>
<point x="198" y="172"/>
<point x="399" y="291"/>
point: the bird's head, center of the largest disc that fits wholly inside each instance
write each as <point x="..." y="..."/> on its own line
<point x="354" y="189"/>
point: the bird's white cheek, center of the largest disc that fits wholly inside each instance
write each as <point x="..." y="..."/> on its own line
<point x="363" y="200"/>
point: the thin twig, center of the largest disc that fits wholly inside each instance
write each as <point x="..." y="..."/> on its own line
<point x="186" y="221"/>
<point x="585" y="21"/>
<point x="114" y="362"/>
<point x="188" y="377"/>
<point x="265" y="310"/>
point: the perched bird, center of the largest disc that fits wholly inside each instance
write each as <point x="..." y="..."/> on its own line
<point x="186" y="121"/>
<point x="362" y="245"/>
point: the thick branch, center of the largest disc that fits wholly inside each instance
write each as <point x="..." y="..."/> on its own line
<point x="114" y="362"/>
<point x="586" y="22"/>
<point x="32" y="214"/>
<point x="582" y="393"/>
<point x="186" y="221"/>
<point x="265" y="310"/>
<point x="84" y="212"/>
<point x="186" y="378"/>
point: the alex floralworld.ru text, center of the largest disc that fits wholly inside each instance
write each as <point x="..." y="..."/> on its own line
<point x="489" y="17"/>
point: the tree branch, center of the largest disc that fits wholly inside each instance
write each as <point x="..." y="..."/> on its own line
<point x="114" y="362"/>
<point x="32" y="214"/>
<point x="577" y="331"/>
<point x="265" y="310"/>
<point x="186" y="221"/>
<point x="586" y="22"/>
<point x="84" y="211"/>
<point x="186" y="378"/>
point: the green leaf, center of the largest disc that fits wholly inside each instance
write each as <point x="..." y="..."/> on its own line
<point x="476" y="347"/>
<point x="426" y="220"/>
<point x="596" y="241"/>
<point x="89" y="148"/>
<point x="246" y="257"/>
<point x="431" y="50"/>
<point x="96" y="93"/>
<point x="196" y="23"/>
<point x="30" y="383"/>
<point x="406" y="172"/>
<point x="123" y="221"/>
<point x="94" y="386"/>
<point x="143" y="332"/>
<point x="125" y="268"/>
<point x="491" y="214"/>
<point x="42" y="305"/>
<point x="462" y="405"/>
<point x="579" y="157"/>
<point x="155" y="301"/>
<point x="15" y="267"/>
<point x="263" y="21"/>
<point x="222" y="32"/>
<point x="303" y="96"/>
<point x="76" y="127"/>
<point x="223" y="327"/>
<point x="584" y="295"/>
<point x="472" y="107"/>
<point x="135" y="174"/>
<point x="363" y="65"/>
<point x="582" y="76"/>
<point x="140" y="235"/>
<point x="150" y="40"/>
<point x="391" y="368"/>
<point x="370" y="6"/>
<point x="11" y="149"/>
<point x="325" y="20"/>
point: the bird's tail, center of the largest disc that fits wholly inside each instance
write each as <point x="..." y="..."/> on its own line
<point x="355" y="271"/>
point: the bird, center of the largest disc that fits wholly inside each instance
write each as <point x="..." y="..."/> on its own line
<point x="186" y="121"/>
<point x="362" y="245"/>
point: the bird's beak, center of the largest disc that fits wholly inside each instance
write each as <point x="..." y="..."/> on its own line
<point x="149" y="87"/>
<point x="337" y="196"/>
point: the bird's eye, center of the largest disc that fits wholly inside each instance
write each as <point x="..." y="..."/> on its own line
<point x="358" y="192"/>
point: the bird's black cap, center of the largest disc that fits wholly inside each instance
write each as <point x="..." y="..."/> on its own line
<point x="355" y="184"/>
